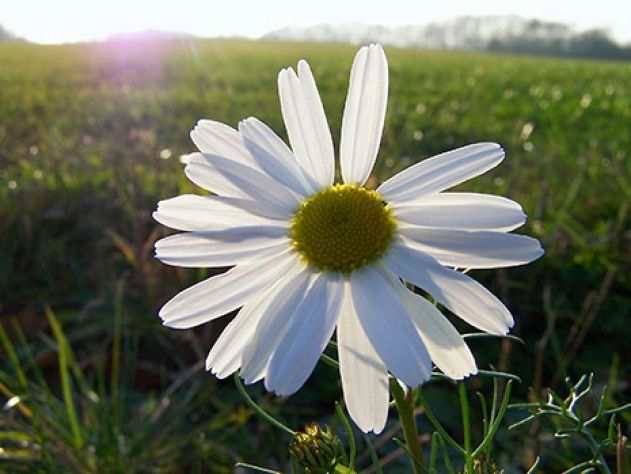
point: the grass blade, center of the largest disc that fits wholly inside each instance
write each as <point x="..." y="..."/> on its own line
<point x="64" y="375"/>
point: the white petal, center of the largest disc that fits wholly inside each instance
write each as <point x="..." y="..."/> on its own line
<point x="458" y="292"/>
<point x="226" y="354"/>
<point x="193" y="212"/>
<point x="252" y="184"/>
<point x="364" y="114"/>
<point x="272" y="325"/>
<point x="308" y="332"/>
<point x="216" y="138"/>
<point x="466" y="211"/>
<point x="464" y="249"/>
<point x="256" y="132"/>
<point x="210" y="178"/>
<point x="221" y="248"/>
<point x="287" y="173"/>
<point x="364" y="375"/>
<point x="218" y="295"/>
<point x="445" y="345"/>
<point x="306" y="124"/>
<point x="441" y="172"/>
<point x="389" y="328"/>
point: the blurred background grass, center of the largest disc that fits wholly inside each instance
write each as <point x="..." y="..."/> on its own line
<point x="90" y="139"/>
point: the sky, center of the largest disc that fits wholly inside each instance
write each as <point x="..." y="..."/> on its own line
<point x="61" y="21"/>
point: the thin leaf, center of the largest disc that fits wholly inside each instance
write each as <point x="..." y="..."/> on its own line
<point x="256" y="468"/>
<point x="262" y="413"/>
<point x="330" y="361"/>
<point x="446" y="460"/>
<point x="502" y="375"/>
<point x="439" y="427"/>
<point x="407" y="451"/>
<point x="533" y="468"/>
<point x="528" y="419"/>
<point x="485" y="335"/>
<point x="496" y="423"/>
<point x="619" y="409"/>
<point x="485" y="415"/>
<point x="373" y="455"/>
<point x="433" y="453"/>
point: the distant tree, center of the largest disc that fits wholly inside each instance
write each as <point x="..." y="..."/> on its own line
<point x="596" y="43"/>
<point x="557" y="40"/>
<point x="509" y="34"/>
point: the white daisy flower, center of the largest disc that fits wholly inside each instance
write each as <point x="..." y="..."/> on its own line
<point x="310" y="257"/>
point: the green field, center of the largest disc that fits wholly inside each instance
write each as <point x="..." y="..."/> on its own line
<point x="90" y="139"/>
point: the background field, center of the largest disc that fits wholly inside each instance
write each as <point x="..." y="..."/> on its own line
<point x="90" y="139"/>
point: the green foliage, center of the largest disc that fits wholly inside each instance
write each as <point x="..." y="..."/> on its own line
<point x="82" y="423"/>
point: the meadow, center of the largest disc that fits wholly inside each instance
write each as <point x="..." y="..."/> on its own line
<point x="90" y="140"/>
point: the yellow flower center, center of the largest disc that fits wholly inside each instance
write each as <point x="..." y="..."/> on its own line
<point x="342" y="228"/>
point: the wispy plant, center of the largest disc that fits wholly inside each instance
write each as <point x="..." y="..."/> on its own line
<point x="573" y="420"/>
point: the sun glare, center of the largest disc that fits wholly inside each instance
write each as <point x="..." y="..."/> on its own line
<point x="72" y="20"/>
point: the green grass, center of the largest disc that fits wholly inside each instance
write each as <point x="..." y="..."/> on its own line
<point x="82" y="132"/>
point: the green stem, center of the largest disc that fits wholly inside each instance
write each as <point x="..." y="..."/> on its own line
<point x="405" y="406"/>
<point x="352" y="448"/>
<point x="466" y="427"/>
<point x="600" y="460"/>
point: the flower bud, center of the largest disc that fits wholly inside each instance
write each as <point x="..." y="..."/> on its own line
<point x="316" y="449"/>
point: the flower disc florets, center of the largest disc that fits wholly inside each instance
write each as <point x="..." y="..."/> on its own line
<point x="342" y="228"/>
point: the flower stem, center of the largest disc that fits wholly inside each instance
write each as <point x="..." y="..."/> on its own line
<point x="405" y="406"/>
<point x="466" y="427"/>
